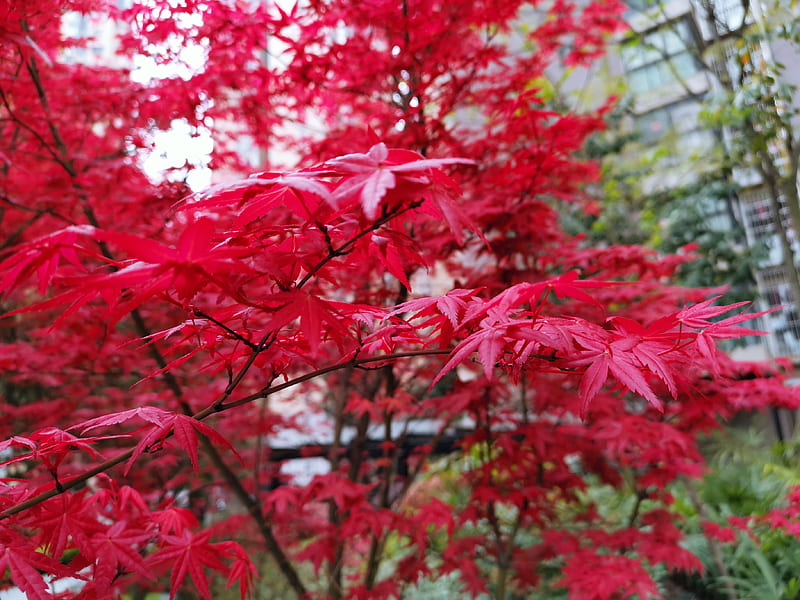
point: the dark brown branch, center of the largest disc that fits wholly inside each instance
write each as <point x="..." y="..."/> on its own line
<point x="45" y="144"/>
<point x="346" y="248"/>
<point x="235" y="335"/>
<point x="203" y="414"/>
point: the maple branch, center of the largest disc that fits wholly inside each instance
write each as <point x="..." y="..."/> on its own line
<point x="203" y="414"/>
<point x="386" y="472"/>
<point x="253" y="346"/>
<point x="45" y="144"/>
<point x="346" y="247"/>
<point x="357" y="447"/>
<point x="66" y="485"/>
<point x="33" y="70"/>
<point x="250" y="502"/>
<point x="269" y="338"/>
<point x="15" y="235"/>
<point x="254" y="509"/>
<point x="227" y="473"/>
<point x="352" y="363"/>
<point x="60" y="143"/>
<point x="641" y="496"/>
<point x="503" y="558"/>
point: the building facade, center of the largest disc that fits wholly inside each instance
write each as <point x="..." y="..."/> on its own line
<point x="717" y="80"/>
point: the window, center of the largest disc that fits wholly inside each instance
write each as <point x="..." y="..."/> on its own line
<point x="653" y="125"/>
<point x="86" y="27"/>
<point x="729" y="15"/>
<point x="735" y="59"/>
<point x="660" y="57"/>
<point x="644" y="5"/>
<point x="681" y="118"/>
<point x="756" y="205"/>
<point x="638" y="5"/>
<point x="726" y="62"/>
<point x="785" y="322"/>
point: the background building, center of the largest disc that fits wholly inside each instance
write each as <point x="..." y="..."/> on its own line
<point x="712" y="118"/>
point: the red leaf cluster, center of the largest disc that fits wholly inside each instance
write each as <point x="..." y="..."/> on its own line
<point x="387" y="367"/>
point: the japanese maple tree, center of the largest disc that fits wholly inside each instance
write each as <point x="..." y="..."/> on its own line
<point x="170" y="356"/>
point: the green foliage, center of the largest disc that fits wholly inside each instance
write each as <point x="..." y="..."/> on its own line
<point x="748" y="478"/>
<point x="698" y="214"/>
<point x="659" y="193"/>
<point x="639" y="207"/>
<point x="695" y="217"/>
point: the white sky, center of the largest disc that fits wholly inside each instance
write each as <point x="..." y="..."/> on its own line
<point x="181" y="146"/>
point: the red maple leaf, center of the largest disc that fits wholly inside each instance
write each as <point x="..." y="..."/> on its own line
<point x="165" y="423"/>
<point x="368" y="177"/>
<point x="313" y="313"/>
<point x="43" y="256"/>
<point x="119" y="549"/>
<point x="27" y="564"/>
<point x="65" y="522"/>
<point x="615" y="358"/>
<point x="241" y="570"/>
<point x="51" y="446"/>
<point x="190" y="554"/>
<point x="592" y="576"/>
